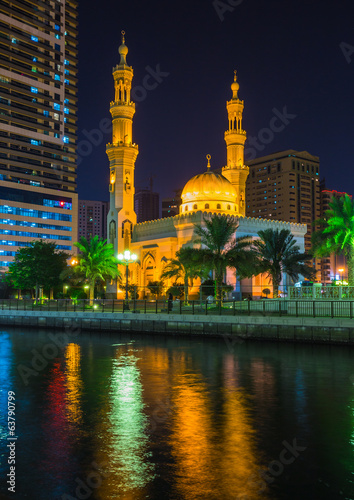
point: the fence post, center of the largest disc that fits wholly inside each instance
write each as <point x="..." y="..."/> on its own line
<point x="263" y="306"/>
<point x="351" y="309"/>
<point x="249" y="307"/>
<point x="234" y="311"/>
<point x="206" y="307"/>
<point x="145" y="306"/>
<point x="279" y="307"/>
<point x="180" y="307"/>
<point x="314" y="308"/>
<point x="296" y="308"/>
<point x="220" y="307"/>
<point x="193" y="307"/>
<point x="332" y="309"/>
<point x="156" y="307"/>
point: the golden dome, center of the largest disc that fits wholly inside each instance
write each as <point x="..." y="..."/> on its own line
<point x="208" y="192"/>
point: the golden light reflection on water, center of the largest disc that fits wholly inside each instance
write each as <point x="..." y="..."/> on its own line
<point x="213" y="461"/>
<point x="73" y="383"/>
<point x="121" y="433"/>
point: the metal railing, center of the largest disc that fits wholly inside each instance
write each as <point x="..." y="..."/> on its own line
<point x="339" y="292"/>
<point x="267" y="307"/>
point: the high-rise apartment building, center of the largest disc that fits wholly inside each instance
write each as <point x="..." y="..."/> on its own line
<point x="146" y="205"/>
<point x="38" y="114"/>
<point x="170" y="206"/>
<point x="285" y="186"/>
<point x="93" y="219"/>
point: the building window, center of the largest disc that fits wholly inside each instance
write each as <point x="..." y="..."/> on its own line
<point x="228" y="207"/>
<point x="186" y="209"/>
<point x="218" y="206"/>
<point x="206" y="206"/>
<point x="195" y="207"/>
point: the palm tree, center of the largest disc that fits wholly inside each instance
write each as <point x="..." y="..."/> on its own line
<point x="336" y="233"/>
<point x="276" y="252"/>
<point x="220" y="250"/>
<point x="184" y="266"/>
<point x="96" y="261"/>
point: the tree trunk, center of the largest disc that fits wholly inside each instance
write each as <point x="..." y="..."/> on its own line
<point x="218" y="281"/>
<point x="37" y="292"/>
<point x="350" y="264"/>
<point x="185" y="290"/>
<point x="92" y="292"/>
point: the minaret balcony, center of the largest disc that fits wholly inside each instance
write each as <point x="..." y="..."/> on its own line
<point x="121" y="103"/>
<point x="122" y="144"/>
<point x="235" y="132"/>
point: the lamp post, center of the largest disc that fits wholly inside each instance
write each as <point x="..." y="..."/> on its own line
<point x="126" y="258"/>
<point x="341" y="271"/>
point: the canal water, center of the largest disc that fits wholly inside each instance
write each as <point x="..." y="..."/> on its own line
<point x="123" y="416"/>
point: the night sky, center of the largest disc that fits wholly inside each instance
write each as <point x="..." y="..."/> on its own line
<point x="294" y="54"/>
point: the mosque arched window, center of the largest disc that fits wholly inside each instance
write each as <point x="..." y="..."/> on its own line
<point x="206" y="206"/>
<point x="186" y="209"/>
<point x="218" y="206"/>
<point x="195" y="207"/>
<point x="228" y="207"/>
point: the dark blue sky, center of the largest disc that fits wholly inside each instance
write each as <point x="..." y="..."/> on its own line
<point x="287" y="54"/>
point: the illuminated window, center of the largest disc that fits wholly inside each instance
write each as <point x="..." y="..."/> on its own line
<point x="186" y="209"/>
<point x="34" y="90"/>
<point x="218" y="206"/>
<point x="57" y="27"/>
<point x="34" y="38"/>
<point x="66" y="62"/>
<point x="206" y="205"/>
<point x="56" y="106"/>
<point x="195" y="207"/>
<point x="66" y="82"/>
<point x="66" y="139"/>
<point x="66" y="111"/>
<point x="228" y="207"/>
<point x="57" y="77"/>
<point x="46" y="113"/>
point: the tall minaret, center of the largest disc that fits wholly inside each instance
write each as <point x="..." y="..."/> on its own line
<point x="235" y="171"/>
<point x="122" y="154"/>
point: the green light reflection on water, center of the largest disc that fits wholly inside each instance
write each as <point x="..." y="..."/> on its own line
<point x="129" y="440"/>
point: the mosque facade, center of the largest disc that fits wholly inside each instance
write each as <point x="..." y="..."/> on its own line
<point x="155" y="242"/>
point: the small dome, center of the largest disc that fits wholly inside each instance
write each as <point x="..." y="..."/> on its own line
<point x="123" y="50"/>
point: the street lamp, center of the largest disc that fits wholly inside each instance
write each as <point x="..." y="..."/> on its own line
<point x="341" y="271"/>
<point x="126" y="258"/>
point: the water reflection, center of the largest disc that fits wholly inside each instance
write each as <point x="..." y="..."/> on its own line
<point x="5" y="380"/>
<point x="123" y="446"/>
<point x="219" y="419"/>
<point x="73" y="384"/>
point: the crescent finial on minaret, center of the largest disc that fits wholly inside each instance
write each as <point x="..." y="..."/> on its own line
<point x="123" y="38"/>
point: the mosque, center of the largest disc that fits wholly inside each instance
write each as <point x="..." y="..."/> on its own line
<point x="155" y="242"/>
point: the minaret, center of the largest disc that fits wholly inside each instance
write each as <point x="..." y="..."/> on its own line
<point x="235" y="171"/>
<point x="122" y="154"/>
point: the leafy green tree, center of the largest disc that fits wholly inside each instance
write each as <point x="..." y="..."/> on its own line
<point x="220" y="250"/>
<point x="184" y="266"/>
<point x="37" y="266"/>
<point x="276" y="252"/>
<point x="156" y="287"/>
<point x="336" y="233"/>
<point x="96" y="262"/>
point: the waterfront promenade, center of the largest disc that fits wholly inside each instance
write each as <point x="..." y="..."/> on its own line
<point x="276" y="320"/>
